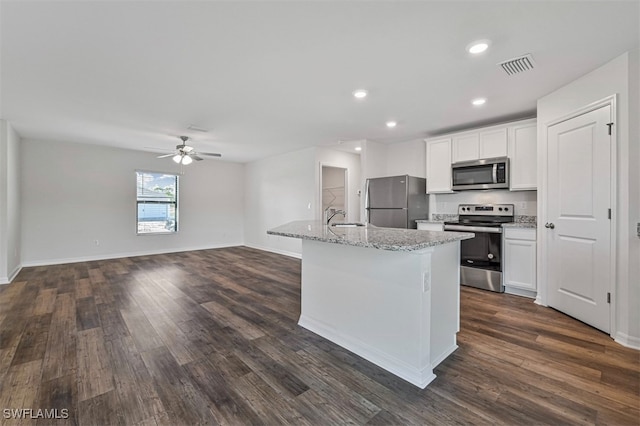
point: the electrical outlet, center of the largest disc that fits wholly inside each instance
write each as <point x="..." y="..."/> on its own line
<point x="96" y="242"/>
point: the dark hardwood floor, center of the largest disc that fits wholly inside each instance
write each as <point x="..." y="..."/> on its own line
<point x="210" y="337"/>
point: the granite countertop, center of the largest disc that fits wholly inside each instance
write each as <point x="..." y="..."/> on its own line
<point x="369" y="236"/>
<point x="429" y="221"/>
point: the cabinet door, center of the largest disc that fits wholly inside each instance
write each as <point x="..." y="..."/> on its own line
<point x="466" y="147"/>
<point x="523" y="156"/>
<point x="438" y="166"/>
<point x="520" y="264"/>
<point x="493" y="143"/>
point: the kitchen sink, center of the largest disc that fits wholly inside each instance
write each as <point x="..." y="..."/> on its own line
<point x="347" y="225"/>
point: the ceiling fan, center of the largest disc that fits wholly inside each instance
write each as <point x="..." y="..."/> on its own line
<point x="185" y="154"/>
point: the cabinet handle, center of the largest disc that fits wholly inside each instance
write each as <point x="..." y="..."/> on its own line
<point x="549" y="225"/>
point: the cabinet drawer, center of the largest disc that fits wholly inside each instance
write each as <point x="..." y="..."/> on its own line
<point x="527" y="234"/>
<point x="430" y="226"/>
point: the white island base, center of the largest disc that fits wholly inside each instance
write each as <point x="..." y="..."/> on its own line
<point x="398" y="309"/>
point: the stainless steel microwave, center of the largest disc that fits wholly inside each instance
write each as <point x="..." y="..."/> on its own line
<point x="490" y="173"/>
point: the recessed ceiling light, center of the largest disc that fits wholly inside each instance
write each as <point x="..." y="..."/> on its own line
<point x="358" y="148"/>
<point x="478" y="46"/>
<point x="359" y="94"/>
<point x="479" y="101"/>
<point x="391" y="124"/>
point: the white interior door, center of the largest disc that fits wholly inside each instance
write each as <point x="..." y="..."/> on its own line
<point x="578" y="228"/>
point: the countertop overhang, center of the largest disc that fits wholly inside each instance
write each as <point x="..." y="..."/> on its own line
<point x="392" y="239"/>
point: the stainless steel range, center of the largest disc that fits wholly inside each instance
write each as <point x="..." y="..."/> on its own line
<point x="481" y="257"/>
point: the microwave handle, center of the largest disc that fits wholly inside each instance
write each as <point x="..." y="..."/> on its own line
<point x="495" y="173"/>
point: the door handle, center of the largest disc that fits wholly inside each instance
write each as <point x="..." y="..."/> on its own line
<point x="549" y="225"/>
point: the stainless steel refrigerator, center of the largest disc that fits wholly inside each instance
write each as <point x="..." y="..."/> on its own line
<point x="396" y="201"/>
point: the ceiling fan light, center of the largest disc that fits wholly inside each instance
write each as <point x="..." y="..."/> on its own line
<point x="177" y="158"/>
<point x="186" y="160"/>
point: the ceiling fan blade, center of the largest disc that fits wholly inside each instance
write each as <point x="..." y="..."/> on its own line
<point x="195" y="157"/>
<point x="166" y="155"/>
<point x="212" y="154"/>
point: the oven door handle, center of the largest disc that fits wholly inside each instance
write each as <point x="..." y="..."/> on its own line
<point x="464" y="228"/>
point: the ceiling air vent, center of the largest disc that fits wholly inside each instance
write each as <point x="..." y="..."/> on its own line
<point x="517" y="65"/>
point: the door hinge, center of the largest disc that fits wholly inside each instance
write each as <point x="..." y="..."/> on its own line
<point x="609" y="125"/>
<point x="609" y="214"/>
<point x="608" y="297"/>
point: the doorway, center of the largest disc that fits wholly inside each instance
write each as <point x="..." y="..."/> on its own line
<point x="578" y="229"/>
<point x="334" y="191"/>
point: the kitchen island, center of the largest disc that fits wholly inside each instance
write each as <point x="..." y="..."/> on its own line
<point x="391" y="296"/>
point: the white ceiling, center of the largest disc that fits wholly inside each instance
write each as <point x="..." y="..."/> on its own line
<point x="270" y="77"/>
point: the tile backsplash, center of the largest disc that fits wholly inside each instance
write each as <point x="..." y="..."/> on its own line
<point x="525" y="202"/>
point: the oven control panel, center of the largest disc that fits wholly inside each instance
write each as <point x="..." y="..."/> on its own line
<point x="486" y="209"/>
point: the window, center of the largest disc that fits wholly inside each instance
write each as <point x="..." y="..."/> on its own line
<point x="157" y="203"/>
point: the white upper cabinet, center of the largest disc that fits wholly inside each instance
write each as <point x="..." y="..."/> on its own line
<point x="466" y="147"/>
<point x="486" y="143"/>
<point x="523" y="155"/>
<point x="515" y="140"/>
<point x="438" y="165"/>
<point x="493" y="143"/>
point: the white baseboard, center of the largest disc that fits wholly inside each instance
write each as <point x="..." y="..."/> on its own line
<point x="277" y="251"/>
<point x="413" y="375"/>
<point x="8" y="279"/>
<point x="46" y="262"/>
<point x="628" y="341"/>
<point x="443" y="356"/>
<point x="520" y="292"/>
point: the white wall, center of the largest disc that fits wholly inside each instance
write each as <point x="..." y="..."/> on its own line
<point x="407" y="158"/>
<point x="10" y="217"/>
<point x="287" y="187"/>
<point x="351" y="162"/>
<point x="619" y="76"/>
<point x="634" y="195"/>
<point x="278" y="190"/>
<point x="74" y="194"/>
<point x="373" y="160"/>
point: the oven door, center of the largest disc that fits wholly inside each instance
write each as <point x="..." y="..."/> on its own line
<point x="484" y="251"/>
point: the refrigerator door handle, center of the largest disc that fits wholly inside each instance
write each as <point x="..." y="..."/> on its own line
<point x="366" y="202"/>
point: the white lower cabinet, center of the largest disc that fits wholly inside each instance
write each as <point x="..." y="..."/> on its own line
<point x="422" y="226"/>
<point x="520" y="261"/>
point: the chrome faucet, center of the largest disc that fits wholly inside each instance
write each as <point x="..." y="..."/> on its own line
<point x="330" y="212"/>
